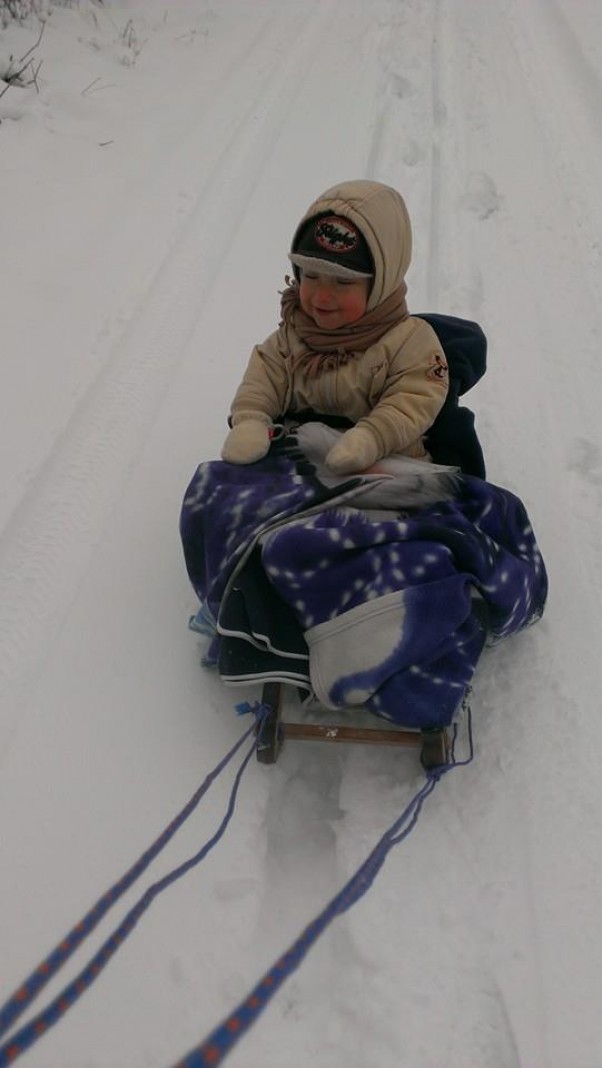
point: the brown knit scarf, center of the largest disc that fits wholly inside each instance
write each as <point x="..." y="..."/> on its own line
<point x="329" y="349"/>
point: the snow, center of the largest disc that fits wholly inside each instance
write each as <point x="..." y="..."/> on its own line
<point x="148" y="194"/>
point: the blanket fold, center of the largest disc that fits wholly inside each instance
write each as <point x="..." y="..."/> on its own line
<point x="379" y="590"/>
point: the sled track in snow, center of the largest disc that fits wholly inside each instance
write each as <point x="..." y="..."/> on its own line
<point x="438" y="119"/>
<point x="49" y="542"/>
<point x="582" y="74"/>
<point x="566" y="91"/>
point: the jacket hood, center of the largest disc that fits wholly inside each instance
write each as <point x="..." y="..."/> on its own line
<point x="380" y="213"/>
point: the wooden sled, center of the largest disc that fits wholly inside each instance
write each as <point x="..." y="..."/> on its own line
<point x="434" y="745"/>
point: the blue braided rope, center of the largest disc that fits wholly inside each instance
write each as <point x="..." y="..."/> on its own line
<point x="29" y="990"/>
<point x="216" y="1046"/>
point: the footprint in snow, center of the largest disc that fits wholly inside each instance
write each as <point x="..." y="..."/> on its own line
<point x="412" y="153"/>
<point x="400" y="86"/>
<point x="481" y="197"/>
<point x="585" y="459"/>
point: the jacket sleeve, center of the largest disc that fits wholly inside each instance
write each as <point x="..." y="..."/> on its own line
<point x="262" y="392"/>
<point x="413" y="394"/>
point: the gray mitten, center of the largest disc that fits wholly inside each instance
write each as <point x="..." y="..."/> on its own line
<point x="247" y="442"/>
<point x="357" y="450"/>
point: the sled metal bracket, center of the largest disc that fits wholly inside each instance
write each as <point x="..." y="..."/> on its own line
<point x="269" y="742"/>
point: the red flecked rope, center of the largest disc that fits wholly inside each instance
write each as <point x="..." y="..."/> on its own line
<point x="216" y="1046"/>
<point x="26" y="993"/>
<point x="219" y="1043"/>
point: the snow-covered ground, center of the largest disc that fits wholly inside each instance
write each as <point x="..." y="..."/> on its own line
<point x="148" y="193"/>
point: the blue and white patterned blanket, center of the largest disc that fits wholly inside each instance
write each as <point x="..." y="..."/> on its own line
<point x="378" y="590"/>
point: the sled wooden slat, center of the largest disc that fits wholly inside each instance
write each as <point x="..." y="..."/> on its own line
<point x="433" y="744"/>
<point x="326" y="732"/>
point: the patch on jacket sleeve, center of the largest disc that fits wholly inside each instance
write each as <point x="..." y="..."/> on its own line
<point x="438" y="371"/>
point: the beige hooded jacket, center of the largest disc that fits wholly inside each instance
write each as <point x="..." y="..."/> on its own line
<point x="396" y="387"/>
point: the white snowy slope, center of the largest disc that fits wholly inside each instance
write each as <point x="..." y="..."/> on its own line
<point x="148" y="193"/>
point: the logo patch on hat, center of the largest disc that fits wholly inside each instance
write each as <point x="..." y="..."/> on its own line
<point x="336" y="235"/>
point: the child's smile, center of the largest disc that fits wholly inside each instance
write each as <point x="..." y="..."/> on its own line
<point x="332" y="302"/>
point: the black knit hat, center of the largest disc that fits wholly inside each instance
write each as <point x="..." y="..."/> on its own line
<point x="331" y="244"/>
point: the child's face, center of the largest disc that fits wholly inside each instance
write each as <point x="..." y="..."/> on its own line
<point x="332" y="302"/>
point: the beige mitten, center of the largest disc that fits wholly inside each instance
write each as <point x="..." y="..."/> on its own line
<point x="357" y="450"/>
<point x="247" y="442"/>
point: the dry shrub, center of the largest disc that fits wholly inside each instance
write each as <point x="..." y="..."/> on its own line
<point x="19" y="10"/>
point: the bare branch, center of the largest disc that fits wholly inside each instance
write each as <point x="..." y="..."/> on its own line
<point x="34" y="77"/>
<point x="14" y="77"/>
<point x="84" y="91"/>
<point x="34" y="46"/>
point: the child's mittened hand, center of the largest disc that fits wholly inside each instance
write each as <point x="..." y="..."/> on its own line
<point x="246" y="442"/>
<point x="356" y="450"/>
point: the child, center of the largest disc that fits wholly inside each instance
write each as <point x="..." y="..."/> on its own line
<point x="346" y="345"/>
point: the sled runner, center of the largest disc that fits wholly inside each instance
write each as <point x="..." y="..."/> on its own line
<point x="375" y="591"/>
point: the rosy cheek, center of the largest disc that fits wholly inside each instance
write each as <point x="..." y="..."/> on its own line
<point x="304" y="297"/>
<point x="356" y="307"/>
